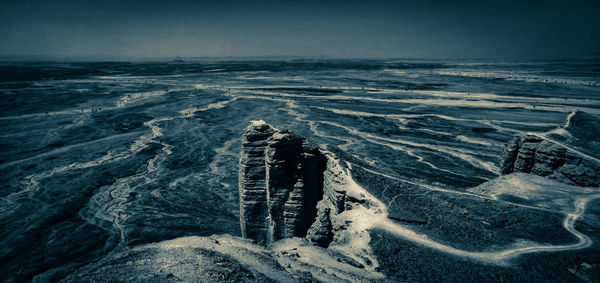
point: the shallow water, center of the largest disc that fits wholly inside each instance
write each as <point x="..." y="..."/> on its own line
<point x="95" y="157"/>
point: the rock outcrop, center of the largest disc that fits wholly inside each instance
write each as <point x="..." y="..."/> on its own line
<point x="532" y="154"/>
<point x="252" y="182"/>
<point x="291" y="188"/>
<point x="280" y="183"/>
<point x="320" y="232"/>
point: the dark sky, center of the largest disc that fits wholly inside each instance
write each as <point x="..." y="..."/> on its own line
<point x="416" y="28"/>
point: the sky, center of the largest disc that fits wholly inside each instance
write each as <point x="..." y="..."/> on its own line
<point x="342" y="29"/>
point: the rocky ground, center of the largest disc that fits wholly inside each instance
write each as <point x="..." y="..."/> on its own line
<point x="129" y="171"/>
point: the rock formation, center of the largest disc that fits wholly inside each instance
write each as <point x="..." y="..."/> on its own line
<point x="280" y="183"/>
<point x="290" y="188"/>
<point x="532" y="154"/>
<point x="320" y="232"/>
<point x="252" y="182"/>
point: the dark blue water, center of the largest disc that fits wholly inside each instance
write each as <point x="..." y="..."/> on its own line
<point x="97" y="157"/>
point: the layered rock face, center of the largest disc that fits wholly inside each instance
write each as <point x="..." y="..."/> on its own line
<point x="280" y="183"/>
<point x="532" y="154"/>
<point x="252" y="182"/>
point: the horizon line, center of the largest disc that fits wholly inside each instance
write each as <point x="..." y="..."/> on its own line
<point x="175" y="58"/>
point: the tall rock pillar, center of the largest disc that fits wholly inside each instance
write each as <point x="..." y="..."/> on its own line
<point x="252" y="182"/>
<point x="280" y="181"/>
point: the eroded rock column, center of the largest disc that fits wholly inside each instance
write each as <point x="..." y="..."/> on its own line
<point x="282" y="160"/>
<point x="252" y="182"/>
<point x="300" y="210"/>
<point x="280" y="182"/>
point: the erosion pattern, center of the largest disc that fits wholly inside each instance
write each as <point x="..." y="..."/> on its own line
<point x="101" y="163"/>
<point x="280" y="183"/>
<point x="532" y="154"/>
